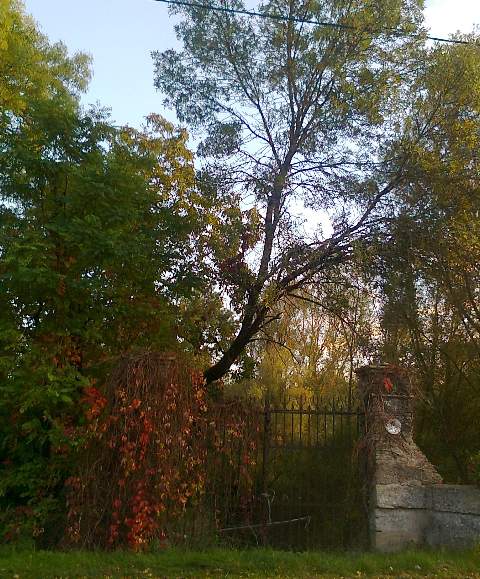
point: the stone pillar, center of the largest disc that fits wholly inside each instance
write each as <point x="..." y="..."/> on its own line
<point x="408" y="504"/>
<point x="394" y="458"/>
<point x="397" y="470"/>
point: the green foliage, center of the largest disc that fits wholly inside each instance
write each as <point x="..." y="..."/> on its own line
<point x="321" y="336"/>
<point x="476" y="468"/>
<point x="103" y="232"/>
<point x="33" y="69"/>
<point x="429" y="259"/>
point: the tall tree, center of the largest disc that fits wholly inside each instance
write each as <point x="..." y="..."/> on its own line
<point x="295" y="114"/>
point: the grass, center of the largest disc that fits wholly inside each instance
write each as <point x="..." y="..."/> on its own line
<point x="23" y="564"/>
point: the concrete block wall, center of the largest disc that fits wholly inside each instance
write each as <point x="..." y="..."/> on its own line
<point x="403" y="516"/>
<point x="454" y="516"/>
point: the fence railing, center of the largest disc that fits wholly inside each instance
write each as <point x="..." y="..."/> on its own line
<point x="285" y="473"/>
<point x="302" y="422"/>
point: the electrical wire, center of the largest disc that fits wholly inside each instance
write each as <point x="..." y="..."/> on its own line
<point x="243" y="12"/>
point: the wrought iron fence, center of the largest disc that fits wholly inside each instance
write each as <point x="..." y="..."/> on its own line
<point x="290" y="477"/>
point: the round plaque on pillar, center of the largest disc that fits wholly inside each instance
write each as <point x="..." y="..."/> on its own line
<point x="393" y="426"/>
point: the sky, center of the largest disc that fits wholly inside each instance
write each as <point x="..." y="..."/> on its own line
<point x="120" y="35"/>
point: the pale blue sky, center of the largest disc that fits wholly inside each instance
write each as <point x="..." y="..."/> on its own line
<point x="120" y="34"/>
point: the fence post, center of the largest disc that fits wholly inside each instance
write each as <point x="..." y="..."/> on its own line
<point x="267" y="418"/>
<point x="266" y="442"/>
<point x="400" y="477"/>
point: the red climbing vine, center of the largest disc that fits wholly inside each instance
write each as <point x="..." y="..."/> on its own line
<point x="144" y="453"/>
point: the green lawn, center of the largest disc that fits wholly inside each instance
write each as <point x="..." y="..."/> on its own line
<point x="18" y="563"/>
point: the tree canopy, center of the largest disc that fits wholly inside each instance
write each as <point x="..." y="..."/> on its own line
<point x="103" y="244"/>
<point x="429" y="265"/>
<point x="296" y="116"/>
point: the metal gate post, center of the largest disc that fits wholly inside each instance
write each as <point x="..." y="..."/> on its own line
<point x="267" y="417"/>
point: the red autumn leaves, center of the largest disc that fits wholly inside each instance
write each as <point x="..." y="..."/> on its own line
<point x="143" y="456"/>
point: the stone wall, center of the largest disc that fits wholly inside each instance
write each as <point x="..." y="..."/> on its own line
<point x="408" y="504"/>
<point x="404" y="515"/>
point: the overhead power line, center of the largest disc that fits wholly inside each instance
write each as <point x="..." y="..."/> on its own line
<point x="337" y="25"/>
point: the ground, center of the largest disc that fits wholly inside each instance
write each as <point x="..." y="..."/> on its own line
<point x="18" y="563"/>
